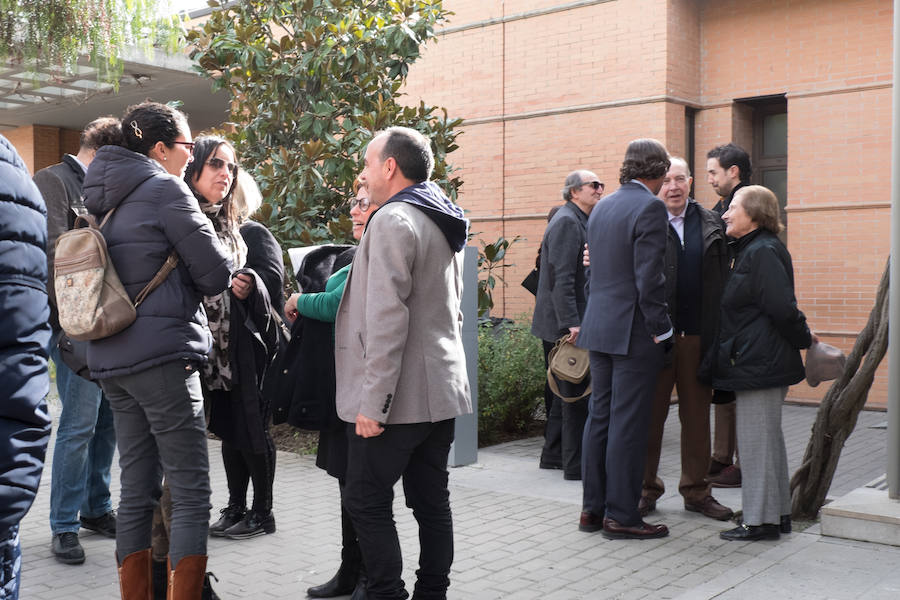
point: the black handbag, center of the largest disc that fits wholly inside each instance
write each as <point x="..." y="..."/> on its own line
<point x="530" y="282"/>
<point x="74" y="355"/>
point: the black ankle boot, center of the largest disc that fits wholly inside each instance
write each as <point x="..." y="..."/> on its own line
<point x="343" y="583"/>
<point x="359" y="592"/>
<point x="231" y="515"/>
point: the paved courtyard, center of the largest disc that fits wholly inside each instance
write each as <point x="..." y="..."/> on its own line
<point x="517" y="537"/>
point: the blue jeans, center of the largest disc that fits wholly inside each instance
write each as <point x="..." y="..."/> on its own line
<point x="83" y="452"/>
<point x="10" y="565"/>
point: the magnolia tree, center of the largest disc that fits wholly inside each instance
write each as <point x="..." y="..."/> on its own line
<point x="53" y="34"/>
<point x="310" y="82"/>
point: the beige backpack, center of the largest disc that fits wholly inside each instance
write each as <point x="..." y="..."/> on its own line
<point x="91" y="300"/>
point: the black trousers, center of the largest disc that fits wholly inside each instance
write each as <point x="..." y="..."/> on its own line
<point x="417" y="453"/>
<point x="564" y="430"/>
<point x="242" y="466"/>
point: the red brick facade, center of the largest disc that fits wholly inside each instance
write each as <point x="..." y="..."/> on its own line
<point x="547" y="87"/>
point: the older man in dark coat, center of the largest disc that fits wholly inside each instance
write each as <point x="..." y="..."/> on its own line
<point x="24" y="422"/>
<point x="558" y="310"/>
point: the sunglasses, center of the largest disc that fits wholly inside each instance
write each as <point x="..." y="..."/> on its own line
<point x="190" y="145"/>
<point x="596" y="185"/>
<point x="362" y="203"/>
<point x="218" y="163"/>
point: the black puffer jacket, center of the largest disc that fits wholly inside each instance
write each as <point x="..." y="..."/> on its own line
<point x="762" y="330"/>
<point x="155" y="212"/>
<point x="24" y="422"/>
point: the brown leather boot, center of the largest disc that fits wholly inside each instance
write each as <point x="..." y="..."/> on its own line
<point x="186" y="579"/>
<point x="136" y="576"/>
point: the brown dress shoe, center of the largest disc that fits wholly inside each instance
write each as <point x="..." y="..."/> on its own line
<point x="613" y="530"/>
<point x="590" y="522"/>
<point x="729" y="477"/>
<point x="646" y="506"/>
<point x="709" y="507"/>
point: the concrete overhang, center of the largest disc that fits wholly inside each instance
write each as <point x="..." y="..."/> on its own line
<point x="74" y="100"/>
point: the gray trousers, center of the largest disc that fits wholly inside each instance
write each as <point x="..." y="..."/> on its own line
<point x="160" y="428"/>
<point x="765" y="492"/>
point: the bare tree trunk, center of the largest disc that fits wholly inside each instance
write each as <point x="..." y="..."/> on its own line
<point x="839" y="410"/>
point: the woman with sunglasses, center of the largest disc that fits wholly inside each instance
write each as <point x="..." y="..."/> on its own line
<point x="150" y="370"/>
<point x="331" y="454"/>
<point x="244" y="327"/>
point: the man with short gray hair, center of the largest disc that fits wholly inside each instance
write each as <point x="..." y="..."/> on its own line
<point x="559" y="308"/>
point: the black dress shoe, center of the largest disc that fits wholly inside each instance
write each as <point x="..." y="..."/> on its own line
<point x="751" y="533"/>
<point x="785" y="524"/>
<point x="613" y="530"/>
<point x="590" y="522"/>
<point x="104" y="524"/>
<point x="550" y="465"/>
<point x="251" y="525"/>
<point x="67" y="549"/>
<point x="231" y="516"/>
<point x="345" y="581"/>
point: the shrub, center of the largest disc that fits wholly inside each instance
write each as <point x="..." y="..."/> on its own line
<point x="511" y="379"/>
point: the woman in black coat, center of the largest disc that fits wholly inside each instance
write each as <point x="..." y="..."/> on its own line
<point x="758" y="356"/>
<point x="244" y="327"/>
<point x="150" y="370"/>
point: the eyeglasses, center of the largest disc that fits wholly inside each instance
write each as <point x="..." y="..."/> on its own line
<point x="596" y="185"/>
<point x="362" y="203"/>
<point x="190" y="145"/>
<point x="218" y="163"/>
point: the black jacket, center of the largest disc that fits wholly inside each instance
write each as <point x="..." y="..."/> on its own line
<point x="24" y="422"/>
<point x="241" y="415"/>
<point x="714" y="271"/>
<point x="155" y="212"/>
<point x="762" y="330"/>
<point x="60" y="185"/>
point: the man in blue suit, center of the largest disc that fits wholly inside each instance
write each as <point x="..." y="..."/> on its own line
<point x="625" y="327"/>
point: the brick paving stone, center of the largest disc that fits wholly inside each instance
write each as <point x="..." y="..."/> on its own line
<point x="516" y="536"/>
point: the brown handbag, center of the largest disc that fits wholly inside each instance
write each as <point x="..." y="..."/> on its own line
<point x="569" y="371"/>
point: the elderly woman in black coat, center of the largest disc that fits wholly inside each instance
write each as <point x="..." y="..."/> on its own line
<point x="758" y="357"/>
<point x="244" y="327"/>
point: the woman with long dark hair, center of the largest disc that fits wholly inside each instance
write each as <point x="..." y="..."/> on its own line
<point x="244" y="327"/>
<point x="150" y="371"/>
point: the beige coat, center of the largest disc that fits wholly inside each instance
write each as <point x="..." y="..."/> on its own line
<point x="398" y="346"/>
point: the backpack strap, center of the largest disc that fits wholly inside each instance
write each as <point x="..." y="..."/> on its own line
<point x="160" y="276"/>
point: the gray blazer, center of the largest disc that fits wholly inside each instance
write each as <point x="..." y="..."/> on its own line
<point x="560" y="299"/>
<point x="398" y="333"/>
<point x="627" y="239"/>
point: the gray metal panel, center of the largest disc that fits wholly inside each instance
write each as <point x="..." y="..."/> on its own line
<point x="464" y="450"/>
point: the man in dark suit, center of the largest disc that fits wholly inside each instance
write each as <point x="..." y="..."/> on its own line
<point x="625" y="327"/>
<point x="558" y="309"/>
<point x="85" y="436"/>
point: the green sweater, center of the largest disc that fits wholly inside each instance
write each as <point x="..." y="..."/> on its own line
<point x="323" y="306"/>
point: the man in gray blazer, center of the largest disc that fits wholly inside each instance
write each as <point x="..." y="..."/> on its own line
<point x="558" y="309"/>
<point x="399" y="361"/>
<point x="625" y="328"/>
<point x="85" y="437"/>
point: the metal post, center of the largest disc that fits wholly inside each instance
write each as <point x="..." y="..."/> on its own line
<point x="893" y="450"/>
<point x="465" y="446"/>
